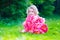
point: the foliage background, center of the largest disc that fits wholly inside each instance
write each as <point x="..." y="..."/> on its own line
<point x="13" y="13"/>
<point x="15" y="10"/>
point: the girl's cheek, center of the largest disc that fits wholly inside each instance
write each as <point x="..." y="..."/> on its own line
<point x="30" y="13"/>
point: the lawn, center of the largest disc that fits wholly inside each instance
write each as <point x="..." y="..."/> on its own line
<point x="13" y="32"/>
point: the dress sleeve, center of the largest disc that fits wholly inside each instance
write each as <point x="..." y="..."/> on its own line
<point x="38" y="19"/>
<point x="28" y="21"/>
<point x="42" y="20"/>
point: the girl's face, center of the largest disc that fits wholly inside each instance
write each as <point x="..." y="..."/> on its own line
<point x="31" y="11"/>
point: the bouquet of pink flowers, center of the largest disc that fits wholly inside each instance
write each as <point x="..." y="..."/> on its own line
<point x="35" y="24"/>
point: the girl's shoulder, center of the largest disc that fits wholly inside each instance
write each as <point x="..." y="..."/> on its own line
<point x="36" y="16"/>
<point x="39" y="17"/>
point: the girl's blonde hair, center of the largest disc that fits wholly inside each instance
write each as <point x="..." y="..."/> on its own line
<point x="34" y="7"/>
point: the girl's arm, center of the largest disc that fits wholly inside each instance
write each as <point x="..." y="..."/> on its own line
<point x="42" y="20"/>
<point x="24" y="22"/>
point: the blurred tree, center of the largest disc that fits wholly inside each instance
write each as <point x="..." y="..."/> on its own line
<point x="48" y="7"/>
<point x="13" y="8"/>
<point x="17" y="8"/>
<point x="58" y="6"/>
<point x="45" y="7"/>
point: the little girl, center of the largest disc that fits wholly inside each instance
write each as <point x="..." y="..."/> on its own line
<point x="34" y="23"/>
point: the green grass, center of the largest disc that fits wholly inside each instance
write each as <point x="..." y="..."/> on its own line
<point x="13" y="32"/>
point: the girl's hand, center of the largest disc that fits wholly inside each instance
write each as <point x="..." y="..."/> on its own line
<point x="24" y="22"/>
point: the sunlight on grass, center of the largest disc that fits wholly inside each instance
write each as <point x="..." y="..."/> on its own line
<point x="13" y="33"/>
